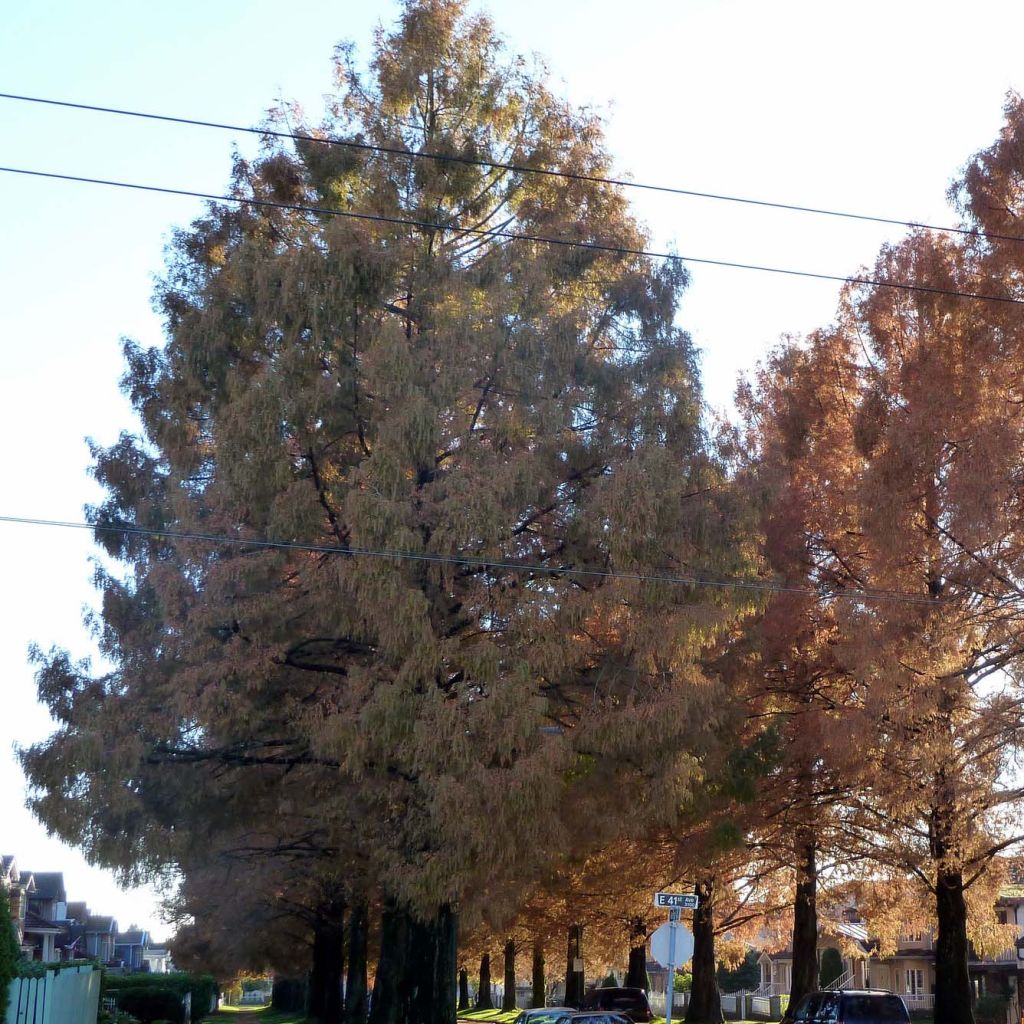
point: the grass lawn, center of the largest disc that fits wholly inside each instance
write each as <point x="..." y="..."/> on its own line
<point x="253" y="1015"/>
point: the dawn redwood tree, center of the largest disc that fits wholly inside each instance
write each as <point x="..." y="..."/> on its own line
<point x="795" y="687"/>
<point x="453" y="442"/>
<point x="916" y="518"/>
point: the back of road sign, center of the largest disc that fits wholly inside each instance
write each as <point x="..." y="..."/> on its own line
<point x="661" y="942"/>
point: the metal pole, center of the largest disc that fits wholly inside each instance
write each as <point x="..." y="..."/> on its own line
<point x="670" y="985"/>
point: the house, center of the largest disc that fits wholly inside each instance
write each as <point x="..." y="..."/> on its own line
<point x="157" y="960"/>
<point x="50" y="899"/>
<point x="44" y="930"/>
<point x="777" y="968"/>
<point x="94" y="935"/>
<point x="19" y="885"/>
<point x="910" y="971"/>
<point x="130" y="948"/>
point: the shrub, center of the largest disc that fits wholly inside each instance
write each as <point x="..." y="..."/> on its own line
<point x="682" y="983"/>
<point x="990" y="1010"/>
<point x="10" y="954"/>
<point x="831" y="967"/>
<point x="610" y="981"/>
<point x="150" y="1004"/>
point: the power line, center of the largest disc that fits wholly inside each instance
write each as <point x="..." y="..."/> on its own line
<point x="733" y="583"/>
<point x="499" y="165"/>
<point x="515" y="236"/>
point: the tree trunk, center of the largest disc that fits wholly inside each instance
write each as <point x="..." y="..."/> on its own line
<point x="636" y="973"/>
<point x="446" y="937"/>
<point x="355" y="990"/>
<point x="952" y="981"/>
<point x="540" y="994"/>
<point x="388" y="1004"/>
<point x="705" y="1000"/>
<point x="483" y="996"/>
<point x="574" y="977"/>
<point x="420" y="957"/>
<point x="805" y="922"/>
<point x="325" y="978"/>
<point x="289" y="994"/>
<point x="463" y="989"/>
<point x="508" y="999"/>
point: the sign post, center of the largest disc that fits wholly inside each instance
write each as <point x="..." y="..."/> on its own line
<point x="672" y="943"/>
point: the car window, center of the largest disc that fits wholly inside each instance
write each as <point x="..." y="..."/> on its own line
<point x="819" y="1006"/>
<point x="873" y="1010"/>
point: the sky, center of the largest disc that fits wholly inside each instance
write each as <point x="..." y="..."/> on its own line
<point x="870" y="108"/>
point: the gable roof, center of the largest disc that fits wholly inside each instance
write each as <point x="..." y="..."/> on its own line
<point x="50" y="885"/>
<point x="137" y="937"/>
<point x="100" y="923"/>
<point x="78" y="912"/>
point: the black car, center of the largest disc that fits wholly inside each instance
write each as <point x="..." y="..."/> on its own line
<point x="862" y="1006"/>
<point x="630" y="1002"/>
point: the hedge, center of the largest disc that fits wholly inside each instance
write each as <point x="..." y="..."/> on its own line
<point x="150" y="1004"/>
<point x="202" y="986"/>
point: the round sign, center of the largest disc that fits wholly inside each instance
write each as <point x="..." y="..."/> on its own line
<point x="661" y="944"/>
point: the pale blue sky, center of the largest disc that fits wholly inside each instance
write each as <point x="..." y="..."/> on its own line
<point x="869" y="107"/>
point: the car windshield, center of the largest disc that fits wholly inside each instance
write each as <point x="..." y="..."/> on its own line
<point x="873" y="1010"/>
<point x="820" y="1006"/>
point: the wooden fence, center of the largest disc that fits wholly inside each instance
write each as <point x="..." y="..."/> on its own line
<point x="68" y="996"/>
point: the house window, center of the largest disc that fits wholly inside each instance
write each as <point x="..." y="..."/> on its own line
<point x="1001" y="916"/>
<point x="915" y="981"/>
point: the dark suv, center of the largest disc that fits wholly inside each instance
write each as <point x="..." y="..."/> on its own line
<point x="631" y="1002"/>
<point x="862" y="1006"/>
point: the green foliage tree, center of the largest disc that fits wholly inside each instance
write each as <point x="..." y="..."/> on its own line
<point x="745" y="977"/>
<point x="10" y="954"/>
<point x="831" y="967"/>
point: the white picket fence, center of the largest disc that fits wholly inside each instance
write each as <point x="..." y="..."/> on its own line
<point x="70" y="996"/>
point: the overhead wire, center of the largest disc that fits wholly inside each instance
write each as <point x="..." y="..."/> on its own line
<point x="515" y="236"/>
<point x="731" y="583"/>
<point x="357" y="144"/>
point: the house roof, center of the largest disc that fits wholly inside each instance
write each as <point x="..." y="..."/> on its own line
<point x="857" y="932"/>
<point x="35" y="923"/>
<point x="99" y="923"/>
<point x="7" y="866"/>
<point x="50" y="885"/>
<point x="132" y="938"/>
<point x="78" y="912"/>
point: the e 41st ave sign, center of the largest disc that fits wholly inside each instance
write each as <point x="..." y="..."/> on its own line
<point x="676" y="900"/>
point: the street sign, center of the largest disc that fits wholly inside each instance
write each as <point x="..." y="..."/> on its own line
<point x="682" y="900"/>
<point x="662" y="946"/>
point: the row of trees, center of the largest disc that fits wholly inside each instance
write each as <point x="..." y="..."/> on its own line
<point x="487" y="674"/>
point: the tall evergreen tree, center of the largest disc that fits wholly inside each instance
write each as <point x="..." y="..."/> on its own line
<point x="474" y="435"/>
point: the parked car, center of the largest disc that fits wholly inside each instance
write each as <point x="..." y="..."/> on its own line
<point x="861" y="1006"/>
<point x="630" y="1002"/>
<point x="543" y="1015"/>
<point x="594" y="1017"/>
